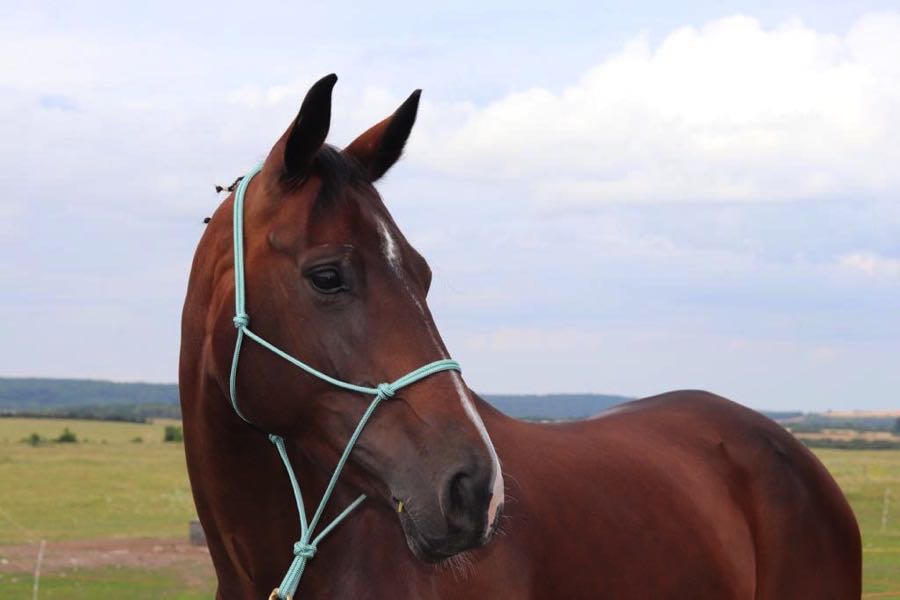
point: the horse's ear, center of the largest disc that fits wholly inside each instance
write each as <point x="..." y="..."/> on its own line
<point x="310" y="128"/>
<point x="380" y="147"/>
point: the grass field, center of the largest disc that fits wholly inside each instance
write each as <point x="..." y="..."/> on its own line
<point x="864" y="476"/>
<point x="112" y="487"/>
<point x="109" y="583"/>
<point x="109" y="486"/>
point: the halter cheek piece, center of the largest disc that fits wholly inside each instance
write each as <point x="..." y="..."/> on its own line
<point x="305" y="548"/>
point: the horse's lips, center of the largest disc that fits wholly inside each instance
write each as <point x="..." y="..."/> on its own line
<point x="414" y="538"/>
<point x="418" y="544"/>
<point x="424" y="550"/>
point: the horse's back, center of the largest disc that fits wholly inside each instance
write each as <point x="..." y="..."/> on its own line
<point x="805" y="538"/>
<point x="685" y="495"/>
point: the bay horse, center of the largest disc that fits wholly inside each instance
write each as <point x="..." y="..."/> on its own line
<point x="682" y="495"/>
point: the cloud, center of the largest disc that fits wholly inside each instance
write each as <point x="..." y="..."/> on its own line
<point x="730" y="111"/>
<point x="870" y="264"/>
<point x="57" y="102"/>
<point x="518" y="339"/>
<point x="116" y="134"/>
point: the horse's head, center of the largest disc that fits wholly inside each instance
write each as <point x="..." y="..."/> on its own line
<point x="331" y="280"/>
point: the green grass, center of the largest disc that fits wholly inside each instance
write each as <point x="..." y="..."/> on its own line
<point x="110" y="584"/>
<point x="864" y="475"/>
<point x="106" y="487"/>
<point x="113" y="487"/>
<point x="13" y="430"/>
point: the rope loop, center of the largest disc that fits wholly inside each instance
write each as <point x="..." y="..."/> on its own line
<point x="386" y="390"/>
<point x="240" y="320"/>
<point x="304" y="550"/>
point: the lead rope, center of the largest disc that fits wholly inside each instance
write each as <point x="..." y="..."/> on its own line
<point x="305" y="548"/>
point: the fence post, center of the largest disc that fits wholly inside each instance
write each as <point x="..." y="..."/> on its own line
<point x="37" y="569"/>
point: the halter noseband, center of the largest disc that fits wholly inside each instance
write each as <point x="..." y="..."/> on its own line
<point x="305" y="548"/>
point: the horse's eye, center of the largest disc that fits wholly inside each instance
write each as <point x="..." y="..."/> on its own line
<point x="327" y="280"/>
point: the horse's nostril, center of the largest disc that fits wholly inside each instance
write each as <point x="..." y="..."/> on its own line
<point x="467" y="496"/>
<point x="458" y="493"/>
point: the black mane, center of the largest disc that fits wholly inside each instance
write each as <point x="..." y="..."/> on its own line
<point x="336" y="170"/>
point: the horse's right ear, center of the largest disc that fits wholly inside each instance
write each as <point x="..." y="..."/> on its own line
<point x="310" y="128"/>
<point x="381" y="146"/>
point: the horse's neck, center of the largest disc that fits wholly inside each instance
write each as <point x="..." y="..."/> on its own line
<point x="245" y="502"/>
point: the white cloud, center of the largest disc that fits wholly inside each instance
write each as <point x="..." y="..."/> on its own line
<point x="115" y="135"/>
<point x="518" y="339"/>
<point x="254" y="96"/>
<point x="729" y="111"/>
<point x="871" y="264"/>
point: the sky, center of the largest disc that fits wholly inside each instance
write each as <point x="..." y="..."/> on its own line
<point x="619" y="198"/>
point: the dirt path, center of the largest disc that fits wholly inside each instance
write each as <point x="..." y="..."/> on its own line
<point x="149" y="554"/>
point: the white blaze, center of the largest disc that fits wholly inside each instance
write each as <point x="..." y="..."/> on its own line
<point x="497" y="485"/>
<point x="392" y="254"/>
<point x="389" y="247"/>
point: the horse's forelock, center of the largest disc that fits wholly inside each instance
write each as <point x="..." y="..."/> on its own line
<point x="336" y="171"/>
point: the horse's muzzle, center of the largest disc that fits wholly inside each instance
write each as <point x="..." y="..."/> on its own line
<point x="459" y="522"/>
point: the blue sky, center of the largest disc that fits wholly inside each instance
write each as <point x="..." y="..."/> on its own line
<point x="623" y="198"/>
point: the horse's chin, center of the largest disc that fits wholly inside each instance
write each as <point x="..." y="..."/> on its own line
<point x="437" y="551"/>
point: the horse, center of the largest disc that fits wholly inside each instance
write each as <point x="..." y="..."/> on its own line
<point x="681" y="495"/>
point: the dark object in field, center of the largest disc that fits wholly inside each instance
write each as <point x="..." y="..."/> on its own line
<point x="196" y="534"/>
<point x="173" y="433"/>
<point x="67" y="437"/>
<point x="682" y="495"/>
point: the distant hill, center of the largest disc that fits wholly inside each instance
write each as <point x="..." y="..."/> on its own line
<point x="27" y="394"/>
<point x="95" y="399"/>
<point x="90" y="398"/>
<point x="553" y="406"/>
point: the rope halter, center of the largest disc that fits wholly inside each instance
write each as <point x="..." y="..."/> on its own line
<point x="305" y="548"/>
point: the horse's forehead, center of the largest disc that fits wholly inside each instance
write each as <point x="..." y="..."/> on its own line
<point x="350" y="215"/>
<point x="367" y="223"/>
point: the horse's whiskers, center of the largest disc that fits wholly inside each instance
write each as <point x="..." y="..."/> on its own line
<point x="460" y="566"/>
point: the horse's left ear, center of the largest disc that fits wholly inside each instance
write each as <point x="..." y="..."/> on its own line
<point x="380" y="147"/>
<point x="310" y="128"/>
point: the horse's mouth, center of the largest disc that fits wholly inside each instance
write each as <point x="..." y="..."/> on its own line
<point x="439" y="550"/>
<point x="431" y="551"/>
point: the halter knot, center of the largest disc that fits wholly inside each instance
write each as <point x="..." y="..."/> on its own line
<point x="304" y="550"/>
<point x="240" y="320"/>
<point x="386" y="390"/>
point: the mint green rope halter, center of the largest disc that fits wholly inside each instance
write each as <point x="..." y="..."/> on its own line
<point x="305" y="548"/>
